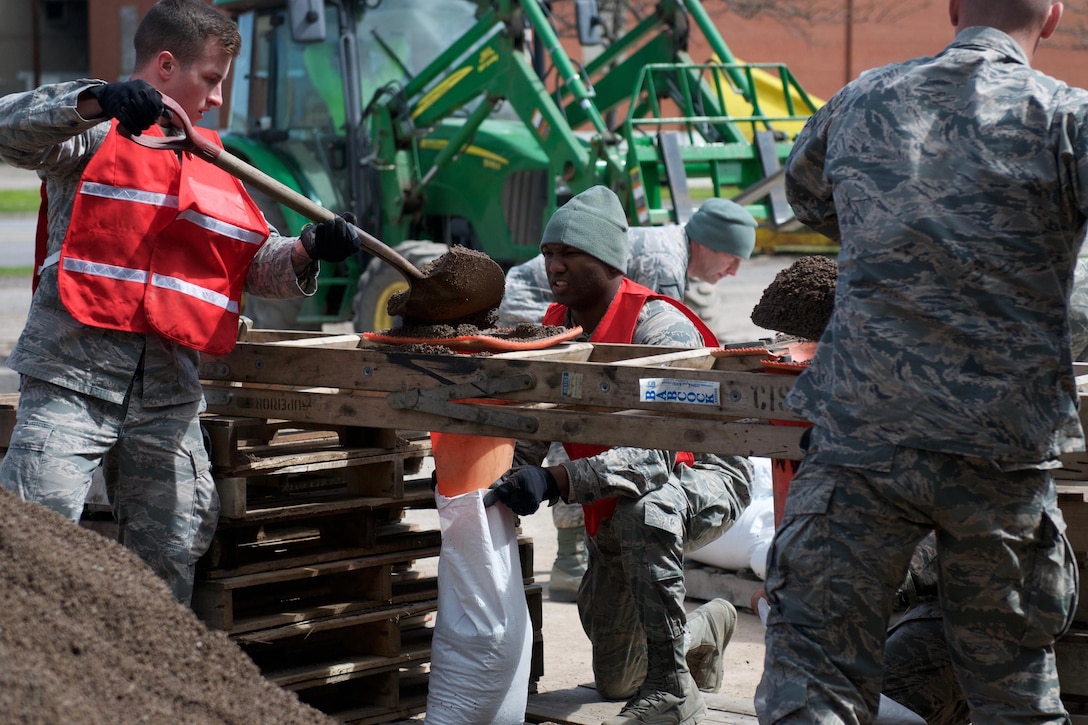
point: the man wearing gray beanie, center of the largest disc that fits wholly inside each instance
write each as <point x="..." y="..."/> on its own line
<point x="643" y="507"/>
<point x="683" y="262"/>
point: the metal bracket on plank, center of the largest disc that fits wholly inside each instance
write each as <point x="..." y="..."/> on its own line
<point x="445" y="401"/>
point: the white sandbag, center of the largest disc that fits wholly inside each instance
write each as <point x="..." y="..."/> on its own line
<point x="744" y="544"/>
<point x="483" y="639"/>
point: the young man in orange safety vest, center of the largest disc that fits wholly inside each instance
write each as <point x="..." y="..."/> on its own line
<point x="643" y="507"/>
<point x="144" y="256"/>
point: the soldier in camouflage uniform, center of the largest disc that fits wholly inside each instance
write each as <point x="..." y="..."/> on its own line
<point x="710" y="247"/>
<point x="88" y="391"/>
<point x="646" y="507"/>
<point x="942" y="391"/>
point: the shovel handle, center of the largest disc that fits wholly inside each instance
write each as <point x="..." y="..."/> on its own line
<point x="310" y="209"/>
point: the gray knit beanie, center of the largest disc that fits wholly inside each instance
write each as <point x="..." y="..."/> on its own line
<point x="724" y="226"/>
<point x="594" y="222"/>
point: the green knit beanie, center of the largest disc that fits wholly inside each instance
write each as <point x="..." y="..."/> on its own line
<point x="724" y="226"/>
<point x="594" y="222"/>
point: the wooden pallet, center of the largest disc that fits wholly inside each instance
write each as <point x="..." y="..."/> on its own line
<point x="583" y="706"/>
<point x="305" y="534"/>
<point x="267" y="469"/>
<point x="1071" y="652"/>
<point x="9" y="405"/>
<point x="262" y="600"/>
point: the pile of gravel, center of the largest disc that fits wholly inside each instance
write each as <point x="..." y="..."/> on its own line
<point x="90" y="634"/>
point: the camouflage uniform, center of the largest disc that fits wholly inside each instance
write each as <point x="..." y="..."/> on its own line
<point x="942" y="391"/>
<point x="636" y="574"/>
<point x="88" y="391"/>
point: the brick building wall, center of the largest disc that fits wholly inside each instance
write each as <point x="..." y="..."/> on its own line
<point x="817" y="57"/>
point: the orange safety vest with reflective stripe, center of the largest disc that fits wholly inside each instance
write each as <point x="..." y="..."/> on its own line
<point x="159" y="242"/>
<point x="618" y="326"/>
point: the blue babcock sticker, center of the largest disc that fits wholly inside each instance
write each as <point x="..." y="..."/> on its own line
<point x="673" y="390"/>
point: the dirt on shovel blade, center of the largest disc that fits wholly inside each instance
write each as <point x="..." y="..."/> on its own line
<point x="462" y="283"/>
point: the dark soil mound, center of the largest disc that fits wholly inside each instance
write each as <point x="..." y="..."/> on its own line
<point x="89" y="634"/>
<point x="800" y="299"/>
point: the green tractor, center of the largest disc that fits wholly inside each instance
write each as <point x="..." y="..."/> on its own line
<point x="442" y="122"/>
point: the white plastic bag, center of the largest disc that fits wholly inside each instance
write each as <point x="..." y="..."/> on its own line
<point x="483" y="640"/>
<point x="744" y="545"/>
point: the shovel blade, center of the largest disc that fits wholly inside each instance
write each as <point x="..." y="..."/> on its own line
<point x="462" y="283"/>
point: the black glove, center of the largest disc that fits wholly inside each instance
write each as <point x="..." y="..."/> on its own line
<point x="332" y="240"/>
<point x="135" y="104"/>
<point x="523" y="488"/>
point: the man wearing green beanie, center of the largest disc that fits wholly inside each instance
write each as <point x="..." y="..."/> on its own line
<point x="683" y="262"/>
<point x="643" y="507"/>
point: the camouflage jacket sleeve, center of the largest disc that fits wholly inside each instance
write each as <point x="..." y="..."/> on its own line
<point x="41" y="129"/>
<point x="807" y="187"/>
<point x="271" y="274"/>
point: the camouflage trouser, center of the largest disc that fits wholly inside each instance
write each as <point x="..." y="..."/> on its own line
<point x="1007" y="583"/>
<point x="633" y="590"/>
<point x="918" y="670"/>
<point x="158" y="473"/>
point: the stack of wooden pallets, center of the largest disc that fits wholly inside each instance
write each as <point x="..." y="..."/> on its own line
<point x="312" y="570"/>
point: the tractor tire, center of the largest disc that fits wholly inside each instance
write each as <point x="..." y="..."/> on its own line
<point x="270" y="314"/>
<point x="379" y="282"/>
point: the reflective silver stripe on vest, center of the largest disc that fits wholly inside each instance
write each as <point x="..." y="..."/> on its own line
<point x="222" y="228"/>
<point x="121" y="193"/>
<point x="49" y="261"/>
<point x="201" y="293"/>
<point x="98" y="269"/>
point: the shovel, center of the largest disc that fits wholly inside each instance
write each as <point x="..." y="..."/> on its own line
<point x="460" y="284"/>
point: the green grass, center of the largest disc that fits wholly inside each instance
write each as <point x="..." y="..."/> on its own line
<point x="19" y="200"/>
<point x="16" y="271"/>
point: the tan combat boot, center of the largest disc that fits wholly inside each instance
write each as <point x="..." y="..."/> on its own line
<point x="710" y="627"/>
<point x="669" y="696"/>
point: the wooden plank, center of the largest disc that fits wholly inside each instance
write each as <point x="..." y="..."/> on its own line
<point x="264" y="548"/>
<point x="667" y="429"/>
<point x="582" y="706"/>
<point x="270" y="599"/>
<point x="742" y="394"/>
<point x="307" y="629"/>
<point x="347" y="669"/>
